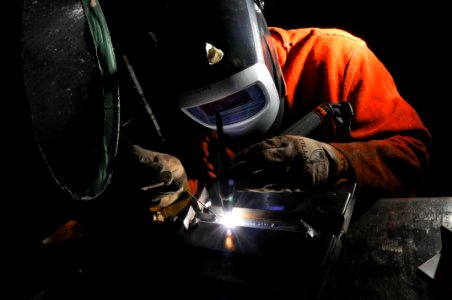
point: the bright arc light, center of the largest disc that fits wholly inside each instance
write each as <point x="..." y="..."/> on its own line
<point x="230" y="220"/>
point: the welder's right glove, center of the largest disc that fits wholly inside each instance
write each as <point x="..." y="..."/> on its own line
<point x="288" y="163"/>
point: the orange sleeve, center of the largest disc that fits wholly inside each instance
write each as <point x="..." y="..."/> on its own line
<point x="390" y="145"/>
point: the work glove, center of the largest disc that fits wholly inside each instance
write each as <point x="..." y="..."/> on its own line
<point x="160" y="178"/>
<point x="288" y="162"/>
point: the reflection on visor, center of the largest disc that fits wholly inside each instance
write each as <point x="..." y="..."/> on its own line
<point x="235" y="108"/>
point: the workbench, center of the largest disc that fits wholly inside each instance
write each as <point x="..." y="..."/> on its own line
<point x="381" y="253"/>
<point x="380" y="257"/>
<point x="385" y="246"/>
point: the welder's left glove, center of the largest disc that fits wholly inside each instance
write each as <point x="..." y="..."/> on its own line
<point x="159" y="177"/>
<point x="288" y="163"/>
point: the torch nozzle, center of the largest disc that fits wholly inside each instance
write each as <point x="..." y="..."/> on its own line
<point x="224" y="182"/>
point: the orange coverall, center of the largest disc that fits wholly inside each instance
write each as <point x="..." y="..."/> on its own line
<point x="390" y="146"/>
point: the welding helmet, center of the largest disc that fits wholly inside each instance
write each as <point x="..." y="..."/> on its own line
<point x="223" y="61"/>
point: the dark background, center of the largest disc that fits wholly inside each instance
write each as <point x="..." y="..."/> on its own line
<point x="411" y="40"/>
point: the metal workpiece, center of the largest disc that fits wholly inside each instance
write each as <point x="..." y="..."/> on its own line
<point x="279" y="243"/>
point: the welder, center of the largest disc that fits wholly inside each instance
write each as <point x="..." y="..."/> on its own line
<point x="219" y="59"/>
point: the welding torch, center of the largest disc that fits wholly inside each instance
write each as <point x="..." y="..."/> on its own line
<point x="224" y="182"/>
<point x="340" y="112"/>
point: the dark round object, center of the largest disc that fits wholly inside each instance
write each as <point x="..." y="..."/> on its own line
<point x="69" y="71"/>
